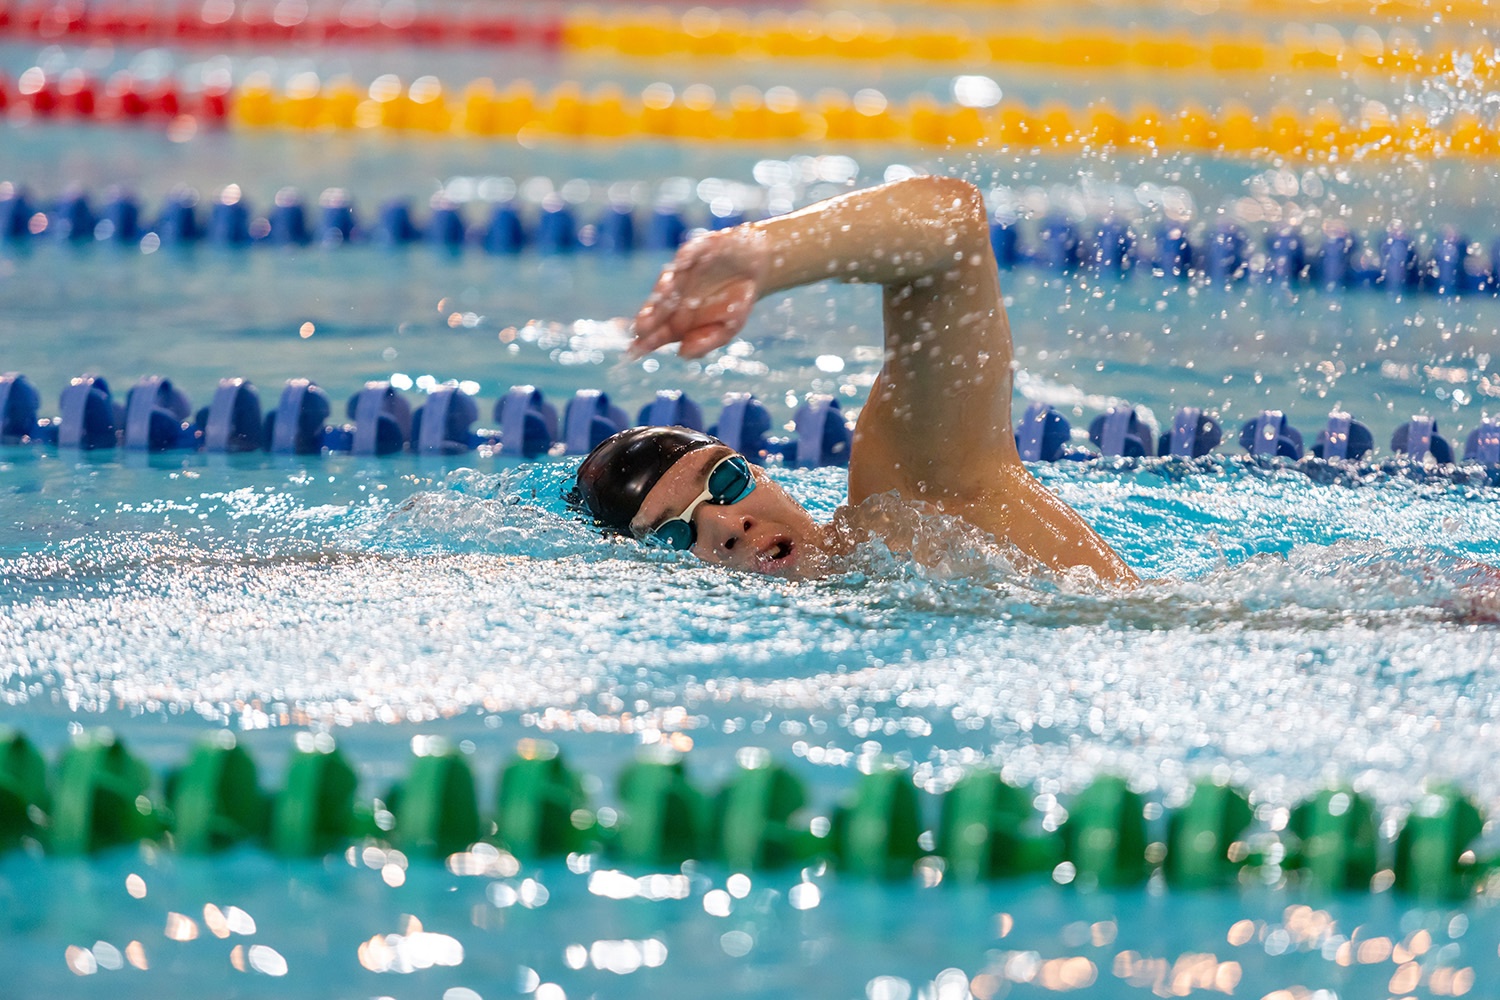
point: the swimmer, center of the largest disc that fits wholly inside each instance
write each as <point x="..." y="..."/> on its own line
<point x="935" y="433"/>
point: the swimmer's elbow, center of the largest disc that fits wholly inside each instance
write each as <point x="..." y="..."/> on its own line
<point x="956" y="202"/>
<point x="954" y="196"/>
<point x="966" y="192"/>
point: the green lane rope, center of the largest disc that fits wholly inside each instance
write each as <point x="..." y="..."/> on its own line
<point x="99" y="796"/>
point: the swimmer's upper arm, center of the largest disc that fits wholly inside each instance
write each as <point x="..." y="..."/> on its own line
<point x="937" y="424"/>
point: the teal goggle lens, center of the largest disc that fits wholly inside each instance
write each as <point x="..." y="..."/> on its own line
<point x="673" y="535"/>
<point x="729" y="482"/>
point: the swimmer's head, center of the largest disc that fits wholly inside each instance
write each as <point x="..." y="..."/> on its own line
<point x="618" y="474"/>
<point x="679" y="488"/>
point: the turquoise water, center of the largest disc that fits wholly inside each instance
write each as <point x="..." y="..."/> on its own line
<point x="1300" y="632"/>
<point x="354" y="593"/>
<point x="1302" y="625"/>
<point x="341" y="930"/>
<point x="1082" y="342"/>
<point x="1302" y="628"/>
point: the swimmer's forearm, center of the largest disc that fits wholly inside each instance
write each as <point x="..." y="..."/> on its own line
<point x="889" y="235"/>
<point x="925" y="235"/>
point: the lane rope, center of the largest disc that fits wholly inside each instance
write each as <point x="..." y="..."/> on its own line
<point x="379" y="419"/>
<point x="1317" y="253"/>
<point x="100" y="796"/>
<point x="1325" y="133"/>
<point x="714" y="34"/>
<point x="286" y="22"/>
<point x="845" y="36"/>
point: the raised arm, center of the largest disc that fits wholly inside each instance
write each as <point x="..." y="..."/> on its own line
<point x="937" y="425"/>
<point x="888" y="235"/>
<point x="947" y="340"/>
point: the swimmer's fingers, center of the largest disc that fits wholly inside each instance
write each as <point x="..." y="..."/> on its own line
<point x="710" y="285"/>
<point x="653" y="327"/>
<point x="719" y="319"/>
<point x="698" y="342"/>
<point x="655" y="322"/>
<point x="698" y="325"/>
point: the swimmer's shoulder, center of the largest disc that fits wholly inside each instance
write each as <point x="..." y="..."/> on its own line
<point x="923" y="533"/>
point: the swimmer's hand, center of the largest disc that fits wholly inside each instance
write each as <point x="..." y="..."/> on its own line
<point x="704" y="296"/>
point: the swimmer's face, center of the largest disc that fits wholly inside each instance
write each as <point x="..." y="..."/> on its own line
<point x="765" y="532"/>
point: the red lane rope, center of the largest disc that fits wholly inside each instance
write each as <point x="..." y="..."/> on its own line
<point x="355" y="22"/>
<point x="74" y="95"/>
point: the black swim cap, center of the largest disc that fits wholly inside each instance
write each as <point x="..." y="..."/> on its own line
<point x="616" y="476"/>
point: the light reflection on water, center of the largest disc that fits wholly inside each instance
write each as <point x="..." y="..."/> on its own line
<point x="1300" y="631"/>
<point x="1297" y="630"/>
<point x="245" y="923"/>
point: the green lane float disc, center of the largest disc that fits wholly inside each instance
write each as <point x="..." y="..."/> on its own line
<point x="437" y="811"/>
<point x="541" y="805"/>
<point x="663" y="818"/>
<point x="1433" y="857"/>
<point x="989" y="829"/>
<point x="751" y="814"/>
<point x="100" y="797"/>
<point x="1200" y="835"/>
<point x="1332" y="843"/>
<point x="875" y="833"/>
<point x="23" y="788"/>
<point x="1105" y="834"/>
<point x="216" y="799"/>
<point x="315" y="811"/>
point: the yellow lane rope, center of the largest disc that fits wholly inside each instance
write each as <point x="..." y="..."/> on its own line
<point x="654" y="33"/>
<point x="1324" y="132"/>
<point x="1412" y="11"/>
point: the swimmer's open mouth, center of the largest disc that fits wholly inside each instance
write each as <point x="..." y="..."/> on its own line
<point x="777" y="552"/>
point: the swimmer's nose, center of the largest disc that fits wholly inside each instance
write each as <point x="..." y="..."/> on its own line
<point x="724" y="528"/>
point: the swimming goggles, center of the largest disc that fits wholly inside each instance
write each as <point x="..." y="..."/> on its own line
<point x="729" y="482"/>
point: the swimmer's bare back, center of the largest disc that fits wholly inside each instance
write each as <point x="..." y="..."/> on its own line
<point x="937" y="426"/>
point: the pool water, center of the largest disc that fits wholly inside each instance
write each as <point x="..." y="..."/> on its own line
<point x="267" y="928"/>
<point x="1303" y="628"/>
<point x="1301" y="625"/>
<point x="1299" y="632"/>
<point x="419" y="593"/>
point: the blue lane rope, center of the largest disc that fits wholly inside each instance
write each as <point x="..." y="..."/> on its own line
<point x="157" y="416"/>
<point x="1394" y="259"/>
